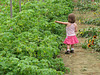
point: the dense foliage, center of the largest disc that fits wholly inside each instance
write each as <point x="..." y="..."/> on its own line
<point x="88" y="32"/>
<point x="31" y="41"/>
<point x="94" y="21"/>
<point x="88" y="6"/>
<point x="93" y="33"/>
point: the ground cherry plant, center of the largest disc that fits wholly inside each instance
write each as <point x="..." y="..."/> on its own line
<point x="31" y="41"/>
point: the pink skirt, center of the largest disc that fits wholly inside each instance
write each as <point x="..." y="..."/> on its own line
<point x="71" y="40"/>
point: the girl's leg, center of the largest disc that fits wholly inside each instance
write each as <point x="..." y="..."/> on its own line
<point x="72" y="48"/>
<point x="68" y="49"/>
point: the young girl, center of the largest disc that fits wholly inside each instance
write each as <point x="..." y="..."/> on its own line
<point x="71" y="28"/>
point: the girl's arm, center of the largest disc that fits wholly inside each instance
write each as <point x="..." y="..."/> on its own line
<point x="75" y="27"/>
<point x="61" y="22"/>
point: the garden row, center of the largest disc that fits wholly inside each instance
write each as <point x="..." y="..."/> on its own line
<point x="31" y="41"/>
<point x="92" y="33"/>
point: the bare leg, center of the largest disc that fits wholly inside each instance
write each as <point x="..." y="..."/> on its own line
<point x="72" y="46"/>
<point x="68" y="46"/>
<point x="68" y="49"/>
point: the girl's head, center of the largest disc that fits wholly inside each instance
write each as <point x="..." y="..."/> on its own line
<point x="71" y="18"/>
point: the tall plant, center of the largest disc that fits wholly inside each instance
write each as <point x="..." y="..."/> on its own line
<point x="20" y="5"/>
<point x="11" y="8"/>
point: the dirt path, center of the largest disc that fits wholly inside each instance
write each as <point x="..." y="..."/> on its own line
<point x="82" y="62"/>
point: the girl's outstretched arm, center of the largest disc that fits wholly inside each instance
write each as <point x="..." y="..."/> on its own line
<point x="61" y="22"/>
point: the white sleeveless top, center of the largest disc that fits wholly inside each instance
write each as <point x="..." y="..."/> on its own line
<point x="70" y="31"/>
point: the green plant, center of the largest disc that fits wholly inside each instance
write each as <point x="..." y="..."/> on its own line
<point x="31" y="41"/>
<point x="87" y="6"/>
<point x="87" y="32"/>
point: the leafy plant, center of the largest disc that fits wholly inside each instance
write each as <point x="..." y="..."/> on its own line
<point x="87" y="32"/>
<point x="87" y="5"/>
<point x="30" y="41"/>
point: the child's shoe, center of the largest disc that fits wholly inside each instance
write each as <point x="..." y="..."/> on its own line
<point x="72" y="51"/>
<point x="67" y="52"/>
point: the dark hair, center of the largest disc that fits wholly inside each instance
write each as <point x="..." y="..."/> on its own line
<point x="71" y="18"/>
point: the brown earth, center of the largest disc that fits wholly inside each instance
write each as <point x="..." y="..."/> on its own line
<point x="82" y="62"/>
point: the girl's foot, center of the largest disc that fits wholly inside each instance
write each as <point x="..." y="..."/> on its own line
<point x="72" y="51"/>
<point x="67" y="52"/>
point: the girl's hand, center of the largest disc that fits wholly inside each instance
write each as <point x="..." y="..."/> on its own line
<point x="55" y="21"/>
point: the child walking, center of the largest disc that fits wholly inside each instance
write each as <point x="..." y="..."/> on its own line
<point x="71" y="28"/>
